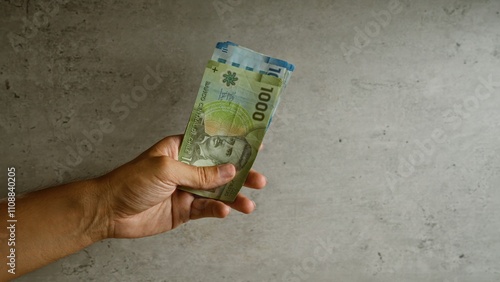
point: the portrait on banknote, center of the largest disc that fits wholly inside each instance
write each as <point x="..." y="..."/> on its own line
<point x="211" y="150"/>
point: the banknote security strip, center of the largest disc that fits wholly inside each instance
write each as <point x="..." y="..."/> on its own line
<point x="237" y="98"/>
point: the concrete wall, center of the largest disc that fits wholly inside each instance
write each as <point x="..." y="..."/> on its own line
<point x="383" y="160"/>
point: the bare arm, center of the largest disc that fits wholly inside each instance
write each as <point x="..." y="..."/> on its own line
<point x="52" y="223"/>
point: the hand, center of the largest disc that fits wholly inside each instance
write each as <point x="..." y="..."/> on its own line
<point x="135" y="200"/>
<point x="142" y="198"/>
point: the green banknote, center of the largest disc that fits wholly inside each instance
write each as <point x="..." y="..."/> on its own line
<point x="228" y="122"/>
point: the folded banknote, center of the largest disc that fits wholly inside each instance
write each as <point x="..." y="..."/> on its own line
<point x="238" y="95"/>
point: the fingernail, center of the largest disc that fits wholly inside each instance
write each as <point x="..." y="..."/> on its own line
<point x="226" y="171"/>
<point x="254" y="205"/>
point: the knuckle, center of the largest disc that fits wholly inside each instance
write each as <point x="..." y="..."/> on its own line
<point x="204" y="176"/>
<point x="164" y="162"/>
<point x="163" y="170"/>
<point x="160" y="164"/>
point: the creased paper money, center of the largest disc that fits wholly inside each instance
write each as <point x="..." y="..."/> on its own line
<point x="232" y="111"/>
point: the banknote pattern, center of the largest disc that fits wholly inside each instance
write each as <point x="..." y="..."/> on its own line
<point x="241" y="57"/>
<point x="238" y="96"/>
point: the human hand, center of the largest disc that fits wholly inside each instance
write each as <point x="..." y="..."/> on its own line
<point x="142" y="199"/>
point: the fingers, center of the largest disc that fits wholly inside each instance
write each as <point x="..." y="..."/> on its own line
<point x="207" y="177"/>
<point x="255" y="180"/>
<point x="201" y="208"/>
<point x="182" y="202"/>
<point x="188" y="207"/>
<point x="242" y="204"/>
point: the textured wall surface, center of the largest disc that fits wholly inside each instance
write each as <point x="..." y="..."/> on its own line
<point x="383" y="161"/>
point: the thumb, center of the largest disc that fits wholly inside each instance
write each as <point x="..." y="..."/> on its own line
<point x="206" y="177"/>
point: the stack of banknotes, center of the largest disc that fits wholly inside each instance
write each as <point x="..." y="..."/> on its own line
<point x="237" y="98"/>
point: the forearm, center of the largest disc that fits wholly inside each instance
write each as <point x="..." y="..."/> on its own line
<point x="53" y="223"/>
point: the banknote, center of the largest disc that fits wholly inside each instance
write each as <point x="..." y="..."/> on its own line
<point x="233" y="54"/>
<point x="228" y="122"/>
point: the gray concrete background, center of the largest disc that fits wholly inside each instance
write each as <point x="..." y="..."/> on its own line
<point x="383" y="161"/>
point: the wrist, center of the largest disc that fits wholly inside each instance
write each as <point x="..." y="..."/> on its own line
<point x="97" y="215"/>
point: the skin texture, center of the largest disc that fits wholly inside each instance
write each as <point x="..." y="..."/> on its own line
<point x="135" y="200"/>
